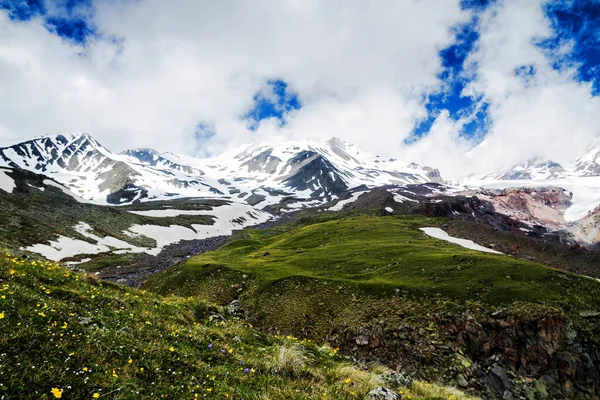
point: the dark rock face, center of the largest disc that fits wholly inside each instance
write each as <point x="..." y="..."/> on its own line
<point x="311" y="171"/>
<point x="503" y="358"/>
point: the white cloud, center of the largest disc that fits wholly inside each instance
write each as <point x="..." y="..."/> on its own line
<point x="359" y="69"/>
<point x="549" y="115"/>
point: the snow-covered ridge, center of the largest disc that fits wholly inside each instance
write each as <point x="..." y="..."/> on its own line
<point x="260" y="174"/>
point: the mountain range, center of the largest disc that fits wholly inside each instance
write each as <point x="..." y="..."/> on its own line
<point x="535" y="168"/>
<point x="259" y="174"/>
<point x="258" y="182"/>
<point x="482" y="284"/>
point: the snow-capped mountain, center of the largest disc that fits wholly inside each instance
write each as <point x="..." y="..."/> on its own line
<point x="589" y="163"/>
<point x="95" y="173"/>
<point x="535" y="168"/>
<point x="258" y="174"/>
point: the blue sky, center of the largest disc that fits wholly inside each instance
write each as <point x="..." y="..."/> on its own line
<point x="395" y="77"/>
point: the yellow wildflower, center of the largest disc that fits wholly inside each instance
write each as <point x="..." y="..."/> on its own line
<point x="57" y="393"/>
<point x="95" y="395"/>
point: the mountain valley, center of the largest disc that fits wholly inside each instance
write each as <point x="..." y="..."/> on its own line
<point x="314" y="240"/>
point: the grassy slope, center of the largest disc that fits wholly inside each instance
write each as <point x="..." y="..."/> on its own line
<point x="86" y="339"/>
<point x="379" y="265"/>
<point x="30" y="215"/>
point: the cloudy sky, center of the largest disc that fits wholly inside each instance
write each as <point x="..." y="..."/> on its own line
<point x="422" y="80"/>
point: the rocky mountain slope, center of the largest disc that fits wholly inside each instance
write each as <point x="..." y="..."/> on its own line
<point x="306" y="172"/>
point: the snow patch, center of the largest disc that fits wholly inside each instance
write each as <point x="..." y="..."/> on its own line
<point x="398" y="198"/>
<point x="469" y="244"/>
<point x="340" y="204"/>
<point x="389" y="209"/>
<point x="64" y="247"/>
<point x="6" y="182"/>
<point x="170" y="213"/>
<point x="49" y="182"/>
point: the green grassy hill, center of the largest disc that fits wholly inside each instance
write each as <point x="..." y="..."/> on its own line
<point x="382" y="289"/>
<point x="68" y="335"/>
<point x="380" y="257"/>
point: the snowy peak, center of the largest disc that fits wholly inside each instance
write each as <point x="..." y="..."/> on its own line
<point x="263" y="174"/>
<point x="153" y="158"/>
<point x="73" y="152"/>
<point x="589" y="163"/>
<point x="535" y="168"/>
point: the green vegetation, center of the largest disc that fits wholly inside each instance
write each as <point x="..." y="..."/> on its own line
<point x="309" y="277"/>
<point x="382" y="255"/>
<point x="70" y="336"/>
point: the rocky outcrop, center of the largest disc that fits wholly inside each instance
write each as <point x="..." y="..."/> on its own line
<point x="501" y="355"/>
<point x="534" y="206"/>
<point x="587" y="229"/>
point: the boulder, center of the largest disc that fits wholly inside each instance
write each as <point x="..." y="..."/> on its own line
<point x="383" y="394"/>
<point x="498" y="382"/>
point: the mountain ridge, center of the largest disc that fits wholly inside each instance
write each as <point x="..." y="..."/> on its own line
<point x="314" y="171"/>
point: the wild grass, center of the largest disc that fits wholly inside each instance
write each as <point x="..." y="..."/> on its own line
<point x="68" y="335"/>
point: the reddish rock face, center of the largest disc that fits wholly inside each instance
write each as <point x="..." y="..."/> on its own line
<point x="534" y="206"/>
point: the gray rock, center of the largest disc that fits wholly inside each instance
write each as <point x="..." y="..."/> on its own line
<point x="507" y="395"/>
<point x="497" y="381"/>
<point x="85" y="321"/>
<point x="396" y="380"/>
<point x="382" y="394"/>
<point x="217" y="318"/>
<point x="462" y="381"/>
<point x="234" y="308"/>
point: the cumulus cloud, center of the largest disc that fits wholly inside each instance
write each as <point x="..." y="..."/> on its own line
<point x="160" y="68"/>
<point x="157" y="71"/>
<point x="541" y="111"/>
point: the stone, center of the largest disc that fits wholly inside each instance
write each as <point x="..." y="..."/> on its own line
<point x="462" y="381"/>
<point x="590" y="314"/>
<point x="217" y="318"/>
<point x="382" y="394"/>
<point x="497" y="381"/>
<point x="500" y="314"/>
<point x="234" y="308"/>
<point x="396" y="379"/>
<point x="362" y="340"/>
<point x="85" y="321"/>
